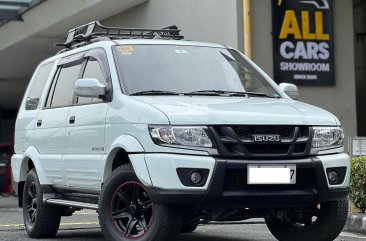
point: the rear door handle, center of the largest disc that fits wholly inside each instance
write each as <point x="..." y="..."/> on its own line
<point x="72" y="120"/>
<point x="39" y="122"/>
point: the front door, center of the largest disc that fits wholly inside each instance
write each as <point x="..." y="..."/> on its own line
<point x="85" y="149"/>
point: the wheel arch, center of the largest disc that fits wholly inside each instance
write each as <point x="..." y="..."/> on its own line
<point x="31" y="159"/>
<point x="117" y="157"/>
<point x="123" y="151"/>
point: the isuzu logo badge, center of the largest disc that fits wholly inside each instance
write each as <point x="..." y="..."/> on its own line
<point x="266" y="138"/>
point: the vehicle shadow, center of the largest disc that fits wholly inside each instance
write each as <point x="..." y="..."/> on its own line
<point x="207" y="237"/>
<point x="80" y="235"/>
<point x="91" y="235"/>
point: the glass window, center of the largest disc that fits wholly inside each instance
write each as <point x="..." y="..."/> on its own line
<point x="37" y="86"/>
<point x="185" y="69"/>
<point x="52" y="89"/>
<point x="64" y="88"/>
<point x="92" y="70"/>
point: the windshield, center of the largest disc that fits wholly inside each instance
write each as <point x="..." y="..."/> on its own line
<point x="174" y="69"/>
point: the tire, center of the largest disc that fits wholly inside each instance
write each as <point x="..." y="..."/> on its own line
<point x="135" y="216"/>
<point x="188" y="228"/>
<point x="41" y="220"/>
<point x="331" y="218"/>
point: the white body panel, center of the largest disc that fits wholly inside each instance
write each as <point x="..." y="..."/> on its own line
<point x="49" y="139"/>
<point x="210" y="110"/>
<point x="163" y="169"/>
<point x="337" y="160"/>
<point x="85" y="151"/>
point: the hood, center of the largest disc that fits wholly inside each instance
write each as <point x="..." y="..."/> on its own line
<point x="213" y="110"/>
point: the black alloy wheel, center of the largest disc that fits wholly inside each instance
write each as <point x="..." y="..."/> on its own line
<point x="32" y="202"/>
<point x="132" y="210"/>
<point x="318" y="222"/>
<point x="126" y="212"/>
<point x="41" y="220"/>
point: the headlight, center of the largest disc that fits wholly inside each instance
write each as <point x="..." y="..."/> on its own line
<point x="325" y="138"/>
<point x="179" y="135"/>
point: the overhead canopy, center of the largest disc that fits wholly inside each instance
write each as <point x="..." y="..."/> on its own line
<point x="12" y="10"/>
<point x="23" y="44"/>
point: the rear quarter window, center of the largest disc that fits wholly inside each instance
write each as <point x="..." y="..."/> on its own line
<point x="38" y="85"/>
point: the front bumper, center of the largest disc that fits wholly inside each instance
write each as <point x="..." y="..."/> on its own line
<point x="226" y="186"/>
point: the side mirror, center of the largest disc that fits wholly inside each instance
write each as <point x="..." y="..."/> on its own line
<point x="91" y="88"/>
<point x="290" y="90"/>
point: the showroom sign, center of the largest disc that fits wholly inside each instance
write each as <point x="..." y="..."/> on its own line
<point x="303" y="42"/>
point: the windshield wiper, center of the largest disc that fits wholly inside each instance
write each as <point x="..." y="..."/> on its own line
<point x="228" y="93"/>
<point x="205" y="92"/>
<point x="155" y="92"/>
<point x="261" y="94"/>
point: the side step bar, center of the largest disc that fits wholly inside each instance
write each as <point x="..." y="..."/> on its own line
<point x="71" y="203"/>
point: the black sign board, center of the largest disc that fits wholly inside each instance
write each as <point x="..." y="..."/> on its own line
<point x="303" y="44"/>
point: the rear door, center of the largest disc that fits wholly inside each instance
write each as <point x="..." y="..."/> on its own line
<point x="85" y="129"/>
<point x="28" y="112"/>
<point x="50" y="129"/>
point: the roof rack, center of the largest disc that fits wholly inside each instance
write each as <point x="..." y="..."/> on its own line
<point x="84" y="34"/>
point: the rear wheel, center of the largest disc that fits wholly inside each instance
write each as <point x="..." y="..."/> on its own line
<point x="323" y="222"/>
<point x="126" y="211"/>
<point x="41" y="220"/>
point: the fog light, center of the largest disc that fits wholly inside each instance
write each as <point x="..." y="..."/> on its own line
<point x="333" y="177"/>
<point x="196" y="177"/>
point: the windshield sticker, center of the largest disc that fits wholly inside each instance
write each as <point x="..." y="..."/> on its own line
<point x="181" y="51"/>
<point x="125" y="49"/>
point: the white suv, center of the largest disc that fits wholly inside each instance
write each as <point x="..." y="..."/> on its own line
<point x="159" y="135"/>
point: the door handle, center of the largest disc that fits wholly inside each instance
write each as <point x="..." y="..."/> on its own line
<point x="39" y="122"/>
<point x="72" y="120"/>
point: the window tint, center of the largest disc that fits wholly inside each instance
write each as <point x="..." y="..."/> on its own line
<point x="64" y="90"/>
<point x="92" y="70"/>
<point x="185" y="69"/>
<point x="37" y="86"/>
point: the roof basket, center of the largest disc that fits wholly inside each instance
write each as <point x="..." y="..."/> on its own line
<point x="85" y="33"/>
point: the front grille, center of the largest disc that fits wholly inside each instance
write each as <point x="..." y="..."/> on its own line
<point x="236" y="180"/>
<point x="245" y="133"/>
<point x="239" y="141"/>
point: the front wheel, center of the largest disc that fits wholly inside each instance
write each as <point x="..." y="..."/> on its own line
<point x="322" y="222"/>
<point x="127" y="213"/>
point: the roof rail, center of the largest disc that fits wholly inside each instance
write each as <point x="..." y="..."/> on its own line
<point x="84" y="34"/>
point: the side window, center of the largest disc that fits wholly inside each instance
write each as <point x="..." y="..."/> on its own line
<point x="92" y="70"/>
<point x="63" y="92"/>
<point x="37" y="87"/>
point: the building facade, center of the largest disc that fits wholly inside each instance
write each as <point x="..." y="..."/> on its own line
<point x="23" y="44"/>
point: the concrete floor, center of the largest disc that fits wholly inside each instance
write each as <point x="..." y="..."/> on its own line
<point x="83" y="226"/>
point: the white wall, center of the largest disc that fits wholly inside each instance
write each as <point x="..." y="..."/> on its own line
<point x="200" y="20"/>
<point x="339" y="99"/>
